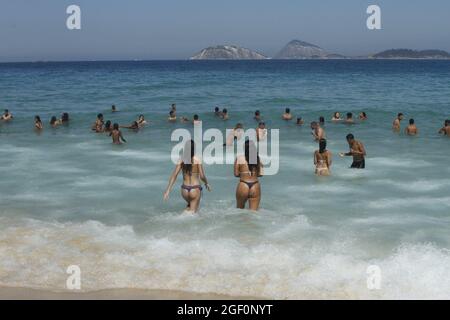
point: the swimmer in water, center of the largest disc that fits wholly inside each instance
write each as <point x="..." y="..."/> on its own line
<point x="196" y="120"/>
<point x="349" y="119"/>
<point x="336" y="117"/>
<point x="363" y="116"/>
<point x="322" y="159"/>
<point x="317" y="132"/>
<point x="217" y="112"/>
<point x="236" y="134"/>
<point x="141" y="121"/>
<point x="65" y="118"/>
<point x="54" y="122"/>
<point x="257" y="116"/>
<point x="248" y="168"/>
<point x="113" y="108"/>
<point x="7" y="116"/>
<point x="411" y="129"/>
<point x="116" y="135"/>
<point x="38" y="123"/>
<point x="173" y="108"/>
<point x="300" y="121"/>
<point x="445" y="130"/>
<point x="261" y="131"/>
<point x="224" y="115"/>
<point x="184" y="120"/>
<point x="134" y="126"/>
<point x="287" y="115"/>
<point x="108" y="127"/>
<point x="396" y="123"/>
<point x="357" y="151"/>
<point x="193" y="174"/>
<point x="322" y="121"/>
<point x="98" y="125"/>
<point x="172" y="116"/>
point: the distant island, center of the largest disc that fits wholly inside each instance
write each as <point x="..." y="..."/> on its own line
<point x="412" y="54"/>
<point x="227" y="52"/>
<point x="299" y="50"/>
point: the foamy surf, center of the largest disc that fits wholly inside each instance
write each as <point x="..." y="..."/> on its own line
<point x="36" y="254"/>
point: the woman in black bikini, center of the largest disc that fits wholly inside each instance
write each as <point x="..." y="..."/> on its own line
<point x="193" y="173"/>
<point x="248" y="168"/>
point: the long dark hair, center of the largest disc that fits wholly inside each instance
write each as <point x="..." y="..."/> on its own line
<point x="250" y="153"/>
<point x="322" y="145"/>
<point x="188" y="157"/>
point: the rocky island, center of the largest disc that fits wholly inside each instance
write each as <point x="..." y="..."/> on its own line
<point x="411" y="54"/>
<point x="227" y="52"/>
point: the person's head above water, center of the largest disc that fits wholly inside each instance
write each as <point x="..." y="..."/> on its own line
<point x="65" y="117"/>
<point x="287" y="110"/>
<point x="100" y="116"/>
<point x="322" y="145"/>
<point x="349" y="115"/>
<point x="411" y="121"/>
<point x="116" y="126"/>
<point x="400" y="116"/>
<point x="314" y="125"/>
<point x="37" y="118"/>
<point x="108" y="124"/>
<point x="321" y="119"/>
<point x="113" y="107"/>
<point x="337" y="115"/>
<point x="350" y="137"/>
<point x="171" y="113"/>
<point x="141" y="117"/>
<point x="196" y="117"/>
<point x="216" y="109"/>
<point x="257" y="113"/>
<point x="447" y="122"/>
<point x="174" y="106"/>
<point x="6" y="111"/>
<point x="53" y="120"/>
<point x="261" y="124"/>
<point x="299" y="120"/>
<point x="225" y="111"/>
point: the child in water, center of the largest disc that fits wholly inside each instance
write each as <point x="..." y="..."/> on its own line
<point x="116" y="135"/>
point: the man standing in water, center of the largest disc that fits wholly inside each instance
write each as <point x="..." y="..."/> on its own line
<point x="357" y="151"/>
<point x="7" y="115"/>
<point x="396" y="124"/>
<point x="411" y="130"/>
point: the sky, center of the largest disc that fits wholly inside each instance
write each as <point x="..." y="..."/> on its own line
<point x="177" y="29"/>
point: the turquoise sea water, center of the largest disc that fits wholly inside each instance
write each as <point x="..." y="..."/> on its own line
<point x="68" y="196"/>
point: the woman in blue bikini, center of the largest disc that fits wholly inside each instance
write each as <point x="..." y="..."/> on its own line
<point x="248" y="168"/>
<point x="193" y="173"/>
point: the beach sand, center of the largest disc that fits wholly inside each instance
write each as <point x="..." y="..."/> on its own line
<point x="7" y="293"/>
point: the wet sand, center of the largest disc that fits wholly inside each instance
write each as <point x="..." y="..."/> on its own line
<point x="110" y="294"/>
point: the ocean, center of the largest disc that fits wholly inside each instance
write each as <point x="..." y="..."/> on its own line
<point x="70" y="197"/>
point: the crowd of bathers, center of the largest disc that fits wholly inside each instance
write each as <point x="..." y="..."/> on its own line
<point x="248" y="172"/>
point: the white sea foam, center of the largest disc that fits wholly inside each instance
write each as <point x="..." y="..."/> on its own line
<point x="36" y="254"/>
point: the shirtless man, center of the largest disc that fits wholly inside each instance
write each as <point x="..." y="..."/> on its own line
<point x="287" y="114"/>
<point x="116" y="135"/>
<point x="396" y="124"/>
<point x="217" y="112"/>
<point x="317" y="132"/>
<point x="300" y="121"/>
<point x="7" y="115"/>
<point x="411" y="129"/>
<point x="357" y="151"/>
<point x="445" y="130"/>
<point x="261" y="132"/>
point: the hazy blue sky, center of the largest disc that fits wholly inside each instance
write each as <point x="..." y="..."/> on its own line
<point x="176" y="29"/>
